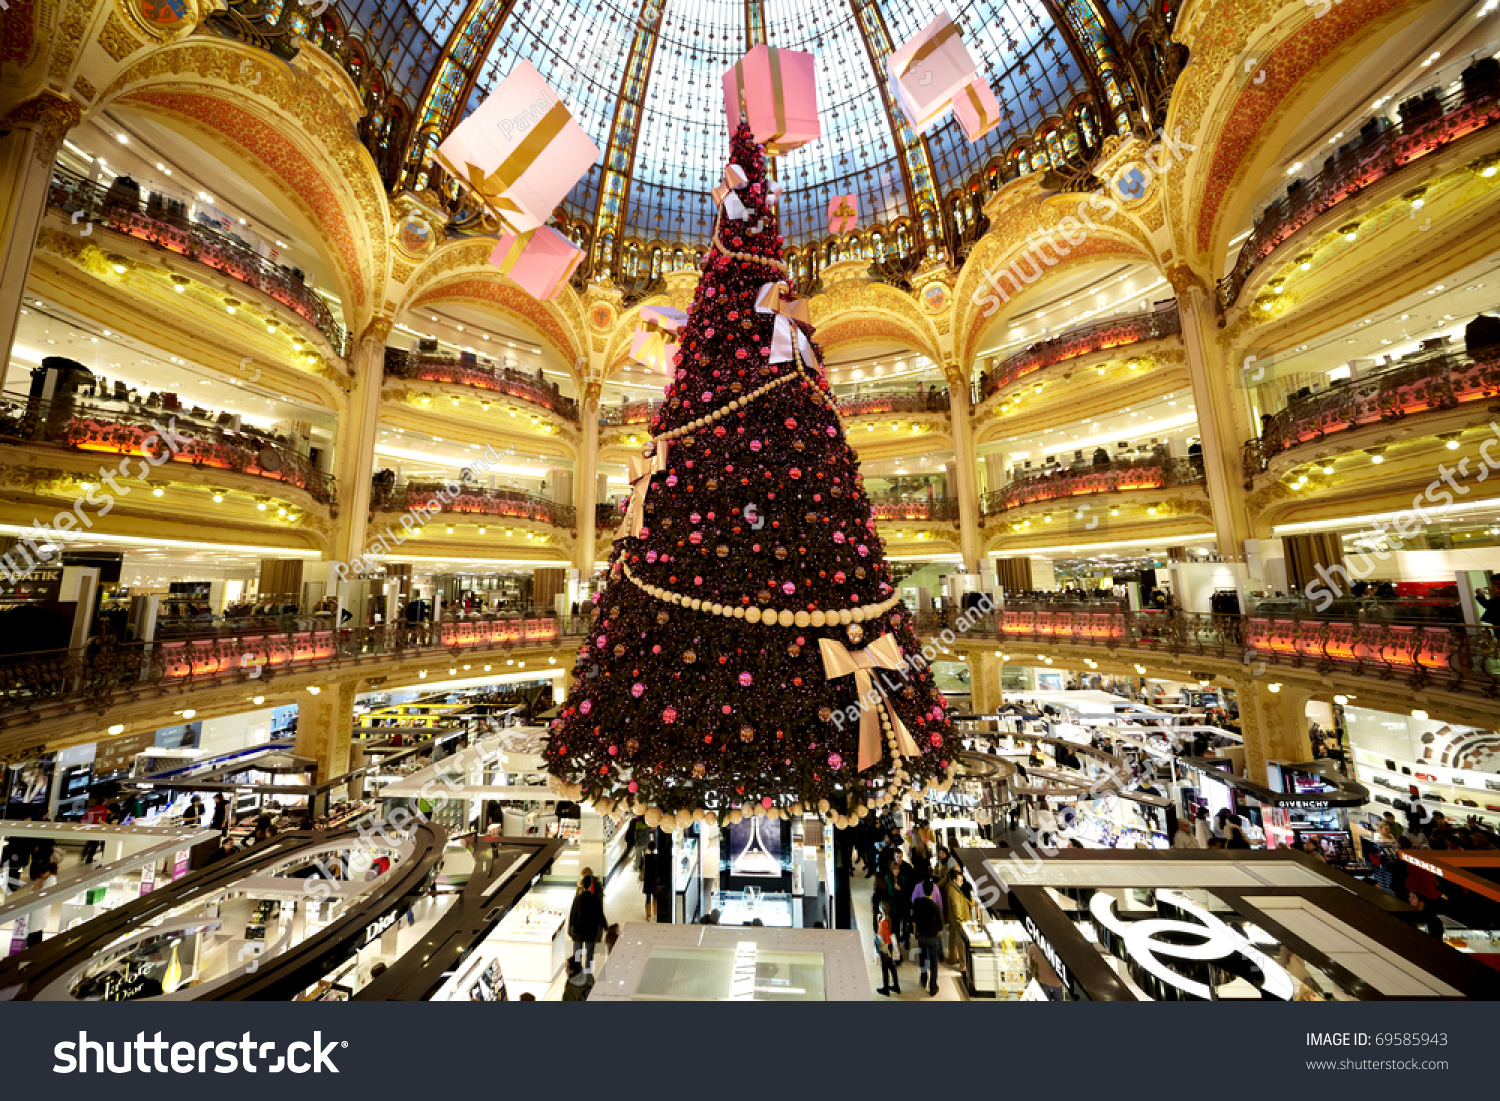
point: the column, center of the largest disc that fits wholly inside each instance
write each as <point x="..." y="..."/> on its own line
<point x="583" y="483"/>
<point x="31" y="133"/>
<point x="966" y="490"/>
<point x="355" y="449"/>
<point x="1220" y="419"/>
<point x="1274" y="722"/>
<point x="325" y="725"/>
<point x="985" y="695"/>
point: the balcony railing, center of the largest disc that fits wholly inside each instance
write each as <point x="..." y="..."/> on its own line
<point x="1435" y="380"/>
<point x="430" y="367"/>
<point x="124" y="430"/>
<point x="632" y="412"/>
<point x="863" y="405"/>
<point x="1457" y="657"/>
<point x="1114" y="477"/>
<point x="101" y="674"/>
<point x="1113" y="333"/>
<point x="914" y="508"/>
<point x="120" y="210"/>
<point x="1361" y="163"/>
<point x="472" y="500"/>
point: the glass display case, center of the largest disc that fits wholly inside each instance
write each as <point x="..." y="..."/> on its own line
<point x="997" y="965"/>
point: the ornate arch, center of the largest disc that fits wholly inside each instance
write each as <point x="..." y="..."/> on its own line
<point x="1020" y="215"/>
<point x="851" y="313"/>
<point x="1241" y="122"/>
<point x="461" y="270"/>
<point x="287" y="127"/>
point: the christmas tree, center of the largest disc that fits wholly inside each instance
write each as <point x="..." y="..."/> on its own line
<point x="749" y="652"/>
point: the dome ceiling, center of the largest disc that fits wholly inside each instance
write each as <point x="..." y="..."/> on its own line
<point x="648" y="92"/>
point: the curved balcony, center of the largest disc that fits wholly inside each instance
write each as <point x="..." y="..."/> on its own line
<point x="1455" y="657"/>
<point x="1432" y="381"/>
<point x="631" y="412"/>
<point x="914" y="508"/>
<point x="431" y="367"/>
<point x="1096" y="337"/>
<point x="472" y="500"/>
<point x="1430" y="124"/>
<point x="862" y="405"/>
<point x="123" y="431"/>
<point x="98" y="676"/>
<point x="607" y="516"/>
<point x="1115" y="477"/>
<point x="118" y="209"/>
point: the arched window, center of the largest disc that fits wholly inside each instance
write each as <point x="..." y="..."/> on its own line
<point x="656" y="263"/>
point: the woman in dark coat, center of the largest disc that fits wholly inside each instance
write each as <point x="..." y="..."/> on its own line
<point x="586" y="919"/>
<point x="649" y="875"/>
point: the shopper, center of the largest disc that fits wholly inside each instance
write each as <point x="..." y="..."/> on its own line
<point x="927" y="920"/>
<point x="1234" y="836"/>
<point x="649" y="875"/>
<point x="958" y="909"/>
<point x="579" y="983"/>
<point x="220" y="820"/>
<point x="193" y="816"/>
<point x="901" y="877"/>
<point x="586" y="922"/>
<point x="1184" y="838"/>
<point x="1200" y="828"/>
<point x="885" y="948"/>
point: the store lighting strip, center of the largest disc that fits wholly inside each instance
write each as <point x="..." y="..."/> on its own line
<point x="1079" y="548"/>
<point x="446" y="561"/>
<point x="1355" y="522"/>
<point x="140" y="542"/>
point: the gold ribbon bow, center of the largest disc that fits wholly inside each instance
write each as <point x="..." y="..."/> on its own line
<point x="844" y="209"/>
<point x="787" y="338"/>
<point x="883" y="653"/>
<point x="641" y="470"/>
<point x="491" y="186"/>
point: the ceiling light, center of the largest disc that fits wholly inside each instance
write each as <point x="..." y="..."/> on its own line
<point x="313" y="690"/>
<point x="1418" y="713"/>
<point x="189" y="713"/>
<point x="117" y="729"/>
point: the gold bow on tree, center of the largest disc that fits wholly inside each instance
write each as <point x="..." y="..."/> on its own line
<point x="883" y="653"/>
<point x="776" y="298"/>
<point x="652" y="461"/>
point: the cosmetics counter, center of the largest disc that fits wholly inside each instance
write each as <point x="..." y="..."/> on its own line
<point x="996" y="964"/>
<point x="1275" y="925"/>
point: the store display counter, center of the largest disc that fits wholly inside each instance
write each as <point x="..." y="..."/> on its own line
<point x="532" y="946"/>
<point x="997" y="963"/>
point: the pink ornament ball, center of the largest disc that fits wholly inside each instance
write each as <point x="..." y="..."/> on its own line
<point x="668" y="716"/>
<point x="835" y="761"/>
<point x="585" y="707"/>
<point x="637" y="689"/>
<point x="746" y="680"/>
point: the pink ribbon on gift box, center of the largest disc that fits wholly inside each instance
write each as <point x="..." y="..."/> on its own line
<point x="883" y="653"/>
<point x="774" y="298"/>
<point x="641" y="470"/>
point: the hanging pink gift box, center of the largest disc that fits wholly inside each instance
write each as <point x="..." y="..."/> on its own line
<point x="976" y="109"/>
<point x="843" y="213"/>
<point x="652" y="344"/>
<point x="521" y="151"/>
<point x="776" y="92"/>
<point x="929" y="71"/>
<point x="539" y="261"/>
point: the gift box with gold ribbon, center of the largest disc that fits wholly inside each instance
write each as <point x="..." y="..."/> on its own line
<point x="976" y="109"/>
<point x="654" y="344"/>
<point x="775" y="298"/>
<point x="929" y="71"/>
<point x="539" y="261"/>
<point x="776" y="92"/>
<point x="843" y="213"/>
<point x="521" y="151"/>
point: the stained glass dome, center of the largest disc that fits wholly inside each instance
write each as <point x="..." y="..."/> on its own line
<point x="643" y="80"/>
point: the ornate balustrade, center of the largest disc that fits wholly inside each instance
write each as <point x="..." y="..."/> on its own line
<point x="914" y="508"/>
<point x="1115" y="477"/>
<point x="863" y="405"/>
<point x="131" y="427"/>
<point x="99" y="675"/>
<point x="471" y="500"/>
<point x="430" y="367"/>
<point x="1362" y="163"/>
<point x="1438" y="380"/>
<point x="120" y="210"/>
<point x="1095" y="337"/>
<point x="1453" y="656"/>
<point x="634" y="412"/>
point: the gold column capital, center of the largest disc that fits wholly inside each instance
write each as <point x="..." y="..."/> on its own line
<point x="50" y="116"/>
